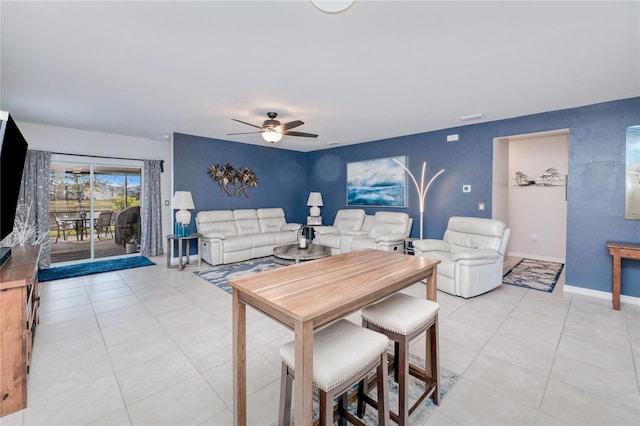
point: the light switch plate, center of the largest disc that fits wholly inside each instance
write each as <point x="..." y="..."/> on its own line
<point x="166" y="203"/>
<point x="466" y="188"/>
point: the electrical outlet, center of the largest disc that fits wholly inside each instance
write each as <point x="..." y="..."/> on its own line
<point x="166" y="203"/>
<point x="466" y="188"/>
<point x="481" y="207"/>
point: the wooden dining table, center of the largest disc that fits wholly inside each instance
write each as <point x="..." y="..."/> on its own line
<point x="309" y="295"/>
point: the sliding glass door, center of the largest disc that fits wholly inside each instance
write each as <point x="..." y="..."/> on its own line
<point x="94" y="208"/>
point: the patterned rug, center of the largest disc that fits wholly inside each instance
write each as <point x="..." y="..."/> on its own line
<point x="535" y="274"/>
<point x="89" y="268"/>
<point x="218" y="276"/>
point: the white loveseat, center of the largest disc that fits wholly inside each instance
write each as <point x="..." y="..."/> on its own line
<point x="471" y="253"/>
<point x="234" y="235"/>
<point x="382" y="231"/>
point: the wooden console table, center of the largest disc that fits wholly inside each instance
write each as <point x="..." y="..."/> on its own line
<point x="19" y="302"/>
<point x="619" y="251"/>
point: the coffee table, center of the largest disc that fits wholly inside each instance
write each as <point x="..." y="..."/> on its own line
<point x="290" y="253"/>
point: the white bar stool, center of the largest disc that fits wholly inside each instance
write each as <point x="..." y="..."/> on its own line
<point x="343" y="354"/>
<point x="401" y="318"/>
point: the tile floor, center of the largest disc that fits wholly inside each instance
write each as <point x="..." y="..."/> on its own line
<point x="151" y="346"/>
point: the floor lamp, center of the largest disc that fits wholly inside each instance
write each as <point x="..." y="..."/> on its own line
<point x="422" y="190"/>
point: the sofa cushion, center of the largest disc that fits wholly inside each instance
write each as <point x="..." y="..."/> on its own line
<point x="464" y="233"/>
<point x="349" y="219"/>
<point x="271" y="220"/>
<point x="246" y="221"/>
<point x="216" y="221"/>
<point x="389" y="223"/>
<point x="261" y="240"/>
<point x="237" y="243"/>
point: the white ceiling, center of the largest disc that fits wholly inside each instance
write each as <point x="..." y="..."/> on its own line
<point x="381" y="69"/>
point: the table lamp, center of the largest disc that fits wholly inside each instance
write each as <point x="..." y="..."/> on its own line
<point x="182" y="201"/>
<point x="315" y="201"/>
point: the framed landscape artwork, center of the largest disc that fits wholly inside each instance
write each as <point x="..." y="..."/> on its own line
<point x="632" y="175"/>
<point x="378" y="182"/>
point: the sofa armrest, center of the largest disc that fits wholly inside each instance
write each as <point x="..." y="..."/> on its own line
<point x="323" y="230"/>
<point x="290" y="227"/>
<point x="213" y="236"/>
<point x="431" y="245"/>
<point x="356" y="233"/>
<point x="384" y="238"/>
<point x="476" y="254"/>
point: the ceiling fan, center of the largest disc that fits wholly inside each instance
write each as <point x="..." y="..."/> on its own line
<point x="272" y="130"/>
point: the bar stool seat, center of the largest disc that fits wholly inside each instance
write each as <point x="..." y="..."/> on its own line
<point x="401" y="318"/>
<point x="343" y="354"/>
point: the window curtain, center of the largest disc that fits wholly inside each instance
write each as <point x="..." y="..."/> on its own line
<point x="151" y="241"/>
<point x="34" y="200"/>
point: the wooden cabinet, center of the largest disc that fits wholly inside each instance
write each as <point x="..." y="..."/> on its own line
<point x="19" y="303"/>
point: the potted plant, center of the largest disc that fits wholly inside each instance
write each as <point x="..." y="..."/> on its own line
<point x="131" y="240"/>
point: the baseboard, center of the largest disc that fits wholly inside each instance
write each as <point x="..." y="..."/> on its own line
<point x="601" y="294"/>
<point x="535" y="257"/>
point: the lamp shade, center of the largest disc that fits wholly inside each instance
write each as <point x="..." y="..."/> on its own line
<point x="182" y="200"/>
<point x="315" y="199"/>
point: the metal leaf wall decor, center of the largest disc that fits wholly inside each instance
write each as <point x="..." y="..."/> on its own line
<point x="232" y="181"/>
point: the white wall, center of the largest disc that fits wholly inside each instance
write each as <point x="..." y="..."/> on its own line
<point x="73" y="141"/>
<point x="538" y="214"/>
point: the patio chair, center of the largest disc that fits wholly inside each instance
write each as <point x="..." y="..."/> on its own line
<point x="103" y="223"/>
<point x="61" y="226"/>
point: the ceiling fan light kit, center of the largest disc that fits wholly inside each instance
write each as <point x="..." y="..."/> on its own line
<point x="272" y="130"/>
<point x="272" y="136"/>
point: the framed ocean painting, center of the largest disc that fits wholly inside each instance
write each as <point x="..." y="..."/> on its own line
<point x="378" y="182"/>
<point x="632" y="177"/>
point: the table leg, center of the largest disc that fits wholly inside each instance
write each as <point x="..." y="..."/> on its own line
<point x="168" y="252"/>
<point x="615" y="281"/>
<point x="188" y="254"/>
<point x="239" y="360"/>
<point x="303" y="408"/>
<point x="432" y="294"/>
<point x="199" y="251"/>
<point x="180" y="266"/>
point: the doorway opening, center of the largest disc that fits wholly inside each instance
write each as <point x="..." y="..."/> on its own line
<point x="94" y="208"/>
<point x="535" y="205"/>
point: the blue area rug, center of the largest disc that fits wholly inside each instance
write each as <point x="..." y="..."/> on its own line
<point x="218" y="276"/>
<point x="535" y="274"/>
<point x="89" y="268"/>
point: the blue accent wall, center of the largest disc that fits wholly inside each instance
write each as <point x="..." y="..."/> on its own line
<point x="595" y="187"/>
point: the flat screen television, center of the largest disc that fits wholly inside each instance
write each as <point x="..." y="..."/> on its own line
<point x="13" y="151"/>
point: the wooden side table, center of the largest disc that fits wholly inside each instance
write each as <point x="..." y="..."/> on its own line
<point x="181" y="265"/>
<point x="619" y="251"/>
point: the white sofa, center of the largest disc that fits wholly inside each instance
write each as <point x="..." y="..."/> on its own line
<point x="346" y="220"/>
<point x="234" y="235"/>
<point x="471" y="253"/>
<point x="382" y="231"/>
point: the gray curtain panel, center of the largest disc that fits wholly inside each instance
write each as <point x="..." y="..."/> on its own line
<point x="151" y="235"/>
<point x="34" y="194"/>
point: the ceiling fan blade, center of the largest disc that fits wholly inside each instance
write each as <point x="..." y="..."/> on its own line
<point x="301" y="134"/>
<point x="248" y="124"/>
<point x="291" y="125"/>
<point x="243" y="133"/>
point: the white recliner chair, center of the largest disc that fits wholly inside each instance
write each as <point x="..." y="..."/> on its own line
<point x="346" y="220"/>
<point x="387" y="232"/>
<point x="471" y="253"/>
